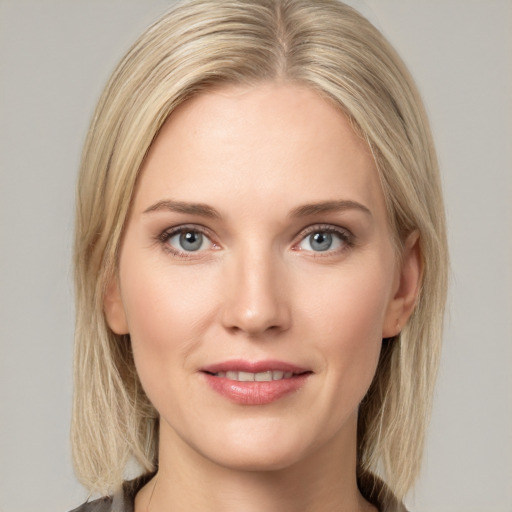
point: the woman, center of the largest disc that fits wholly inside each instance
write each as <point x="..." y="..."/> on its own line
<point x="260" y="266"/>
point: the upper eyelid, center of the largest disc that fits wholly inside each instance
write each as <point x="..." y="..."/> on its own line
<point x="348" y="239"/>
<point x="170" y="232"/>
<point x="184" y="227"/>
<point x="303" y="233"/>
<point x="333" y="228"/>
<point x="167" y="234"/>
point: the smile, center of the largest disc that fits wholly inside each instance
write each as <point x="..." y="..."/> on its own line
<point x="267" y="376"/>
<point x="255" y="383"/>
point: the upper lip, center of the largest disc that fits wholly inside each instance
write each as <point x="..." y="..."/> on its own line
<point x="240" y="365"/>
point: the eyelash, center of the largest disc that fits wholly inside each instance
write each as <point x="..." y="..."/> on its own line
<point x="346" y="237"/>
<point x="166" y="235"/>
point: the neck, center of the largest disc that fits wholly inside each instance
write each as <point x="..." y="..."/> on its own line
<point x="325" y="481"/>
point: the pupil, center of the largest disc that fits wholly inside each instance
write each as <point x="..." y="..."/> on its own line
<point x="191" y="240"/>
<point x="321" y="241"/>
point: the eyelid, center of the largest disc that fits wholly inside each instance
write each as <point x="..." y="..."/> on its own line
<point x="345" y="234"/>
<point x="180" y="228"/>
<point x="168" y="233"/>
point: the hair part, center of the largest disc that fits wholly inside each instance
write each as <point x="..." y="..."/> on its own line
<point x="200" y="44"/>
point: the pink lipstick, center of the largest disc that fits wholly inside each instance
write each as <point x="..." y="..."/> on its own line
<point x="255" y="383"/>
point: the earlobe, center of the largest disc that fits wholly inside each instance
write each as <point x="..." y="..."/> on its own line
<point x="114" y="308"/>
<point x="407" y="289"/>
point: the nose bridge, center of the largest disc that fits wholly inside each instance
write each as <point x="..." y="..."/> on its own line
<point x="256" y="298"/>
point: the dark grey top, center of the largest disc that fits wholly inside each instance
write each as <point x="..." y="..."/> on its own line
<point x="121" y="501"/>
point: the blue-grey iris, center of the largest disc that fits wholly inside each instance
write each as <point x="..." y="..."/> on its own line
<point x="320" y="241"/>
<point x="191" y="240"/>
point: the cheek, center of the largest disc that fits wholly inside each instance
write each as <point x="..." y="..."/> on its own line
<point x="166" y="314"/>
<point x="163" y="302"/>
<point x="348" y="316"/>
<point x="353" y="301"/>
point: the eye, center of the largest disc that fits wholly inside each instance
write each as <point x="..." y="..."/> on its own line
<point x="325" y="240"/>
<point x="185" y="240"/>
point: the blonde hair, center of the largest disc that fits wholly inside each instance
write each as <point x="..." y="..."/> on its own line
<point x="199" y="44"/>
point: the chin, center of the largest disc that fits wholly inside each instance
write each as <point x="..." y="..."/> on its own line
<point x="257" y="461"/>
<point x="274" y="451"/>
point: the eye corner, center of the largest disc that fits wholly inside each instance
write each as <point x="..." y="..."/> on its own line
<point x="333" y="240"/>
<point x="173" y="240"/>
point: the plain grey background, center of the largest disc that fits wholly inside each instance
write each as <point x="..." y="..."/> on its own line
<point x="55" y="56"/>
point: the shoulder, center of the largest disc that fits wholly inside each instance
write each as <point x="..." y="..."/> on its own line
<point x="378" y="493"/>
<point x="122" y="501"/>
<point x="119" y="502"/>
<point x="100" y="505"/>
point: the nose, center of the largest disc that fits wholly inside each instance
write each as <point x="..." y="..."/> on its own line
<point x="256" y="295"/>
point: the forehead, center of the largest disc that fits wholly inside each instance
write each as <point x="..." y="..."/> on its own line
<point x="265" y="143"/>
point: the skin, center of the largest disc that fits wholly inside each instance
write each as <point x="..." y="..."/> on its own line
<point x="256" y="290"/>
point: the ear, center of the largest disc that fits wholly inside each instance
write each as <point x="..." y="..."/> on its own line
<point x="114" y="308"/>
<point x="407" y="287"/>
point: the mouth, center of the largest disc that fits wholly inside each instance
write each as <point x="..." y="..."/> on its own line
<point x="266" y="376"/>
<point x="255" y="383"/>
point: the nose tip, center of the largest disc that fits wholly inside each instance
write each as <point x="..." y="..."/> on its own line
<point x="254" y="320"/>
<point x="256" y="300"/>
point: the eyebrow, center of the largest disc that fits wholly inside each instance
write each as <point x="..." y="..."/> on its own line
<point x="188" y="208"/>
<point x="301" y="211"/>
<point x="327" y="207"/>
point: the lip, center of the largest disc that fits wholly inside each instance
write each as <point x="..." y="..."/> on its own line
<point x="255" y="393"/>
<point x="240" y="365"/>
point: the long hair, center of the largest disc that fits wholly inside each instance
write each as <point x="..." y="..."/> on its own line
<point x="199" y="44"/>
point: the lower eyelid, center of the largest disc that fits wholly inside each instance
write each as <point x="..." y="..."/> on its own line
<point x="346" y="239"/>
<point x="166" y="235"/>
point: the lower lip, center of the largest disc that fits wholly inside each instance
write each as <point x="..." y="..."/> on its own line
<point x="255" y="393"/>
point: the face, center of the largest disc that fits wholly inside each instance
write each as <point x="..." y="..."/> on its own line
<point x="258" y="277"/>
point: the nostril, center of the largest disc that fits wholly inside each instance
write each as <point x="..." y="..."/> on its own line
<point x="254" y="302"/>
